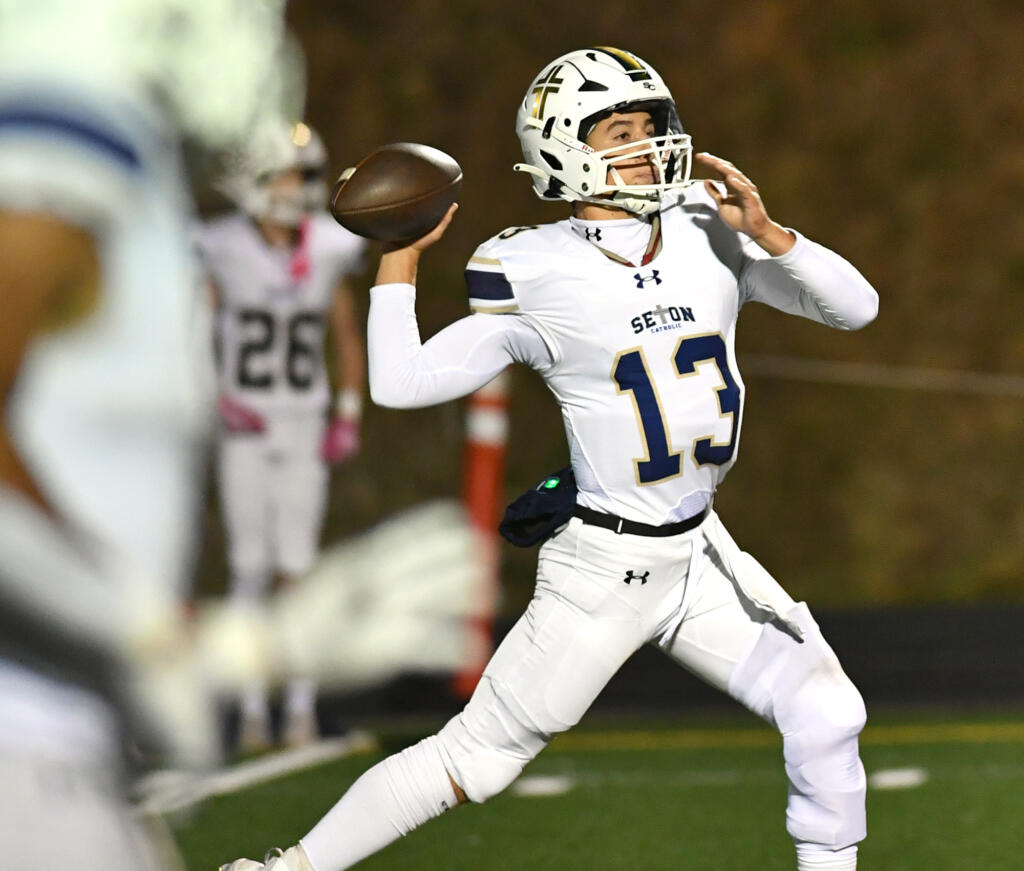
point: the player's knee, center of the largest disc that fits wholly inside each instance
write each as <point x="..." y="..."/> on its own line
<point x="250" y="571"/>
<point x="823" y="762"/>
<point x="478" y="769"/>
<point x="487" y="746"/>
<point x="485" y="774"/>
<point x="824" y="720"/>
<point x="296" y="555"/>
<point x="296" y="563"/>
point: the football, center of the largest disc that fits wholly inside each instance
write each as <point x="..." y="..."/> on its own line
<point x="397" y="193"/>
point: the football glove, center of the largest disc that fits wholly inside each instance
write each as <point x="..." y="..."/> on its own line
<point x="239" y="418"/>
<point x="292" y="859"/>
<point x="341" y="441"/>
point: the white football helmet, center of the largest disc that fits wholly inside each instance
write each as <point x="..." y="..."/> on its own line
<point x="277" y="148"/>
<point x="214" y="67"/>
<point x="562" y="106"/>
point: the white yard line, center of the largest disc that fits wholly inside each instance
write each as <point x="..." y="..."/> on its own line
<point x="897" y="778"/>
<point x="543" y="785"/>
<point x="165" y="792"/>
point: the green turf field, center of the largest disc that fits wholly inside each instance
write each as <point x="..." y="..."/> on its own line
<point x="674" y="797"/>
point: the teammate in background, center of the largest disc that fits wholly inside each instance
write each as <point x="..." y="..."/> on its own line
<point x="628" y="311"/>
<point x="101" y="412"/>
<point x="280" y="269"/>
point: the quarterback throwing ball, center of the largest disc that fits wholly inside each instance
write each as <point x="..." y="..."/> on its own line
<point x="627" y="309"/>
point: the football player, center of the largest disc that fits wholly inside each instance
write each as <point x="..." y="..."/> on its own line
<point x="628" y="311"/>
<point x="102" y="411"/>
<point x="280" y="270"/>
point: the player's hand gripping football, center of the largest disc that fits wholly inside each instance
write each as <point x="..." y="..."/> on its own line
<point x="741" y="207"/>
<point x="400" y="259"/>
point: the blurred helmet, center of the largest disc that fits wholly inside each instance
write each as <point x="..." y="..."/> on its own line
<point x="255" y="177"/>
<point x="213" y="66"/>
<point x="560" y="110"/>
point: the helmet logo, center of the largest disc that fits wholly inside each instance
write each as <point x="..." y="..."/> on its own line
<point x="547" y="85"/>
<point x="634" y="69"/>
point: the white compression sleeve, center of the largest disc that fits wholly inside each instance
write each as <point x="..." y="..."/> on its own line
<point x="463" y="357"/>
<point x="812" y="281"/>
<point x="385" y="803"/>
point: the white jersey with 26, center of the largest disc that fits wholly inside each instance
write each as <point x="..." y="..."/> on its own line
<point x="273" y="305"/>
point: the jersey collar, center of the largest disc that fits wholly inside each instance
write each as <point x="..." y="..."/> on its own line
<point x="654" y="244"/>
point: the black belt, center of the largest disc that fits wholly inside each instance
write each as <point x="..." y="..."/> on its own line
<point x="633" y="527"/>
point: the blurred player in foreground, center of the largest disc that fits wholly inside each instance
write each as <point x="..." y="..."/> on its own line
<point x="628" y="310"/>
<point x="279" y="269"/>
<point x="103" y="408"/>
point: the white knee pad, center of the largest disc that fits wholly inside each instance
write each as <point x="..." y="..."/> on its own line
<point x="487" y="746"/>
<point x="297" y="553"/>
<point x="249" y="563"/>
<point x="800" y="687"/>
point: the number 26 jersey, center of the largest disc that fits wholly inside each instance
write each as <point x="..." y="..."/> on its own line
<point x="273" y="307"/>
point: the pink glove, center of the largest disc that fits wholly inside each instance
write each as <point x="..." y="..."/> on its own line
<point x="341" y="441"/>
<point x="239" y="418"/>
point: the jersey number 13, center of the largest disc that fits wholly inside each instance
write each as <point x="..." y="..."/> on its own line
<point x="632" y="375"/>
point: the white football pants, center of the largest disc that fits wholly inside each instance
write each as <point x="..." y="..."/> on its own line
<point x="273" y="491"/>
<point x="714" y="610"/>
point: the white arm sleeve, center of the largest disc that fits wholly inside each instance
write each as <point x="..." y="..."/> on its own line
<point x="811" y="281"/>
<point x="464" y="356"/>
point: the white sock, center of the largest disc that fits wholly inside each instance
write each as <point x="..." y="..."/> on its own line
<point x="248" y="590"/>
<point x="255" y="704"/>
<point x="385" y="803"/>
<point x="815" y="857"/>
<point x="300" y="697"/>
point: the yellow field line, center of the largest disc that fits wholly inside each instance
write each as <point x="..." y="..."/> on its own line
<point x="697" y="739"/>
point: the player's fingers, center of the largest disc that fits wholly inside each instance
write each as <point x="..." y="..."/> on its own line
<point x="717" y="165"/>
<point x="714" y="192"/>
<point x="747" y="193"/>
<point x="723" y="168"/>
<point x="438" y="231"/>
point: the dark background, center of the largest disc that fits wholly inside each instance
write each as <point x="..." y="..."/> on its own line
<point x="889" y="130"/>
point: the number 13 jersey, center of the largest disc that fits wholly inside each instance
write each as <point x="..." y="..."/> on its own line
<point x="273" y="305"/>
<point x="642" y="357"/>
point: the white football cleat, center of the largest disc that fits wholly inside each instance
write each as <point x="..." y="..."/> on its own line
<point x="292" y="859"/>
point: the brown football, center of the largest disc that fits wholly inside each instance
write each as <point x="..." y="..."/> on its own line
<point x="397" y="193"/>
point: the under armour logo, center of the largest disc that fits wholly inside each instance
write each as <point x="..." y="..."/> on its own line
<point x="641" y="280"/>
<point x="633" y="576"/>
<point x="593" y="234"/>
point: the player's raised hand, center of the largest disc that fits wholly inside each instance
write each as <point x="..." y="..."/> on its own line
<point x="430" y="238"/>
<point x="741" y="207"/>
<point x="400" y="259"/>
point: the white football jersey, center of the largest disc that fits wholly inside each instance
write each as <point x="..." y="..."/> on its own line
<point x="643" y="357"/>
<point x="273" y="308"/>
<point x="107" y="413"/>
